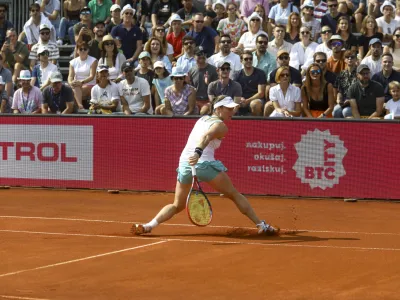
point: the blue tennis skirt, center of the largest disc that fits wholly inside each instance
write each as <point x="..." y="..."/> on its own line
<point x="206" y="171"/>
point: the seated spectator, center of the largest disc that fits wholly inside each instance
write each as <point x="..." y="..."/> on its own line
<point x="187" y="61"/>
<point x="82" y="72"/>
<point x="157" y="53"/>
<point x="6" y="76"/>
<point x="100" y="10"/>
<point x="344" y="30"/>
<point x="187" y="12"/>
<point x="387" y="24"/>
<point x="162" y="11"/>
<point x="387" y="75"/>
<point x="51" y="9"/>
<point x="44" y="41"/>
<point x="176" y="35"/>
<point x="15" y="55"/>
<point x="345" y="79"/>
<point x="105" y="94"/>
<point x="279" y="14"/>
<point x="317" y="94"/>
<point x="248" y="7"/>
<point x="232" y="25"/>
<point x="374" y="61"/>
<point x="111" y="58"/>
<point x="360" y="13"/>
<point x="283" y="60"/>
<point x="285" y="97"/>
<point x="326" y="34"/>
<point x="321" y="59"/>
<point x="180" y="97"/>
<point x="134" y="92"/>
<point x="4" y="23"/>
<point x="248" y="39"/>
<point x="94" y="44"/>
<point x="293" y="28"/>
<point x="83" y="30"/>
<point x="200" y="76"/>
<point x="72" y="11"/>
<point x="42" y="71"/>
<point x="58" y="98"/>
<point x="331" y="18"/>
<point x="253" y="82"/>
<point x="159" y="33"/>
<point x="303" y="50"/>
<point x="261" y="58"/>
<point x="144" y="70"/>
<point x="394" y="49"/>
<point x="308" y="20"/>
<point x="116" y="19"/>
<point x="336" y="63"/>
<point x="278" y="43"/>
<point x="5" y="103"/>
<point x="366" y="96"/>
<point x="141" y="13"/>
<point x="261" y="12"/>
<point x="219" y="8"/>
<point x="320" y="9"/>
<point x="27" y="99"/>
<point x="161" y="81"/>
<point x="369" y="31"/>
<point x="393" y="105"/>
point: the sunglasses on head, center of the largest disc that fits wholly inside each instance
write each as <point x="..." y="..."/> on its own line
<point x="284" y="57"/>
<point x="45" y="53"/>
<point x="315" y="72"/>
<point x="85" y="12"/>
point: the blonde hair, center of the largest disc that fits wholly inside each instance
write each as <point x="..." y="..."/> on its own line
<point x="394" y="84"/>
<point x="279" y="72"/>
<point x="289" y="24"/>
<point x="364" y="25"/>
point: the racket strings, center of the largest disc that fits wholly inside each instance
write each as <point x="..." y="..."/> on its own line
<point x="199" y="209"/>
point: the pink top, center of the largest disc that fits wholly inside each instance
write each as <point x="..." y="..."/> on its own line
<point x="247" y="7"/>
<point x="27" y="103"/>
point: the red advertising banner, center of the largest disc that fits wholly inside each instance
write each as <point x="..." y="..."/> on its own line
<point x="264" y="157"/>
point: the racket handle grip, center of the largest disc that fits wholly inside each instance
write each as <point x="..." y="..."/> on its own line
<point x="193" y="170"/>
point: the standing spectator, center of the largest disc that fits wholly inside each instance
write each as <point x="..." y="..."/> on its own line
<point x="336" y="62"/>
<point x="387" y="24"/>
<point x="175" y="38"/>
<point x="72" y="11"/>
<point x="104" y="95"/>
<point x="111" y="58"/>
<point x="142" y="11"/>
<point x="302" y="51"/>
<point x="161" y="81"/>
<point x="187" y="60"/>
<point x="374" y="61"/>
<point x="344" y="30"/>
<point x="308" y="20"/>
<point x="249" y="38"/>
<point x="116" y="20"/>
<point x="369" y="31"/>
<point x="253" y="82"/>
<point x="232" y="25"/>
<point x="42" y="71"/>
<point x="157" y="53"/>
<point x="187" y="12"/>
<point x="261" y="58"/>
<point x="5" y="103"/>
<point x="100" y="10"/>
<point x="387" y="75"/>
<point x="131" y="36"/>
<point x="82" y="72"/>
<point x="200" y="76"/>
<point x="58" y="98"/>
<point x="394" y="49"/>
<point x="279" y="14"/>
<point x="27" y="99"/>
<point x="248" y="6"/>
<point x="162" y="11"/>
<point x="159" y="33"/>
<point x="326" y="34"/>
<point x="44" y="41"/>
<point x="134" y="92"/>
<point x="15" y="54"/>
<point x="278" y="43"/>
<point x="293" y="28"/>
<point x="204" y="36"/>
<point x="94" y="44"/>
<point x="330" y="19"/>
<point x="366" y="96"/>
<point x="82" y="31"/>
<point x="51" y="9"/>
<point x="320" y="9"/>
<point x="4" y="23"/>
<point x="224" y="85"/>
<point x="393" y="105"/>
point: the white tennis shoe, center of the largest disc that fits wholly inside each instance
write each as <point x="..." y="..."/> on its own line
<point x="139" y="229"/>
<point x="266" y="229"/>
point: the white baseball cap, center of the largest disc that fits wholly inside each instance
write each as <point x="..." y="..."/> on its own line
<point x="227" y="102"/>
<point x="114" y="7"/>
<point x="158" y="64"/>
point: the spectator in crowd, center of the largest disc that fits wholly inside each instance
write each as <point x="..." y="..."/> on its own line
<point x="279" y="14"/>
<point x="336" y="63"/>
<point x="82" y="31"/>
<point x="232" y="25"/>
<point x="5" y="103"/>
<point x="142" y="11"/>
<point x="176" y="35"/>
<point x="27" y="99"/>
<point x="278" y="43"/>
<point x="366" y="96"/>
<point x="345" y="79"/>
<point x="224" y="85"/>
<point x="94" y="44"/>
<point x="82" y="72"/>
<point x="44" y="41"/>
<point x="187" y="12"/>
<point x="161" y="81"/>
<point x="253" y="83"/>
<point x="187" y="60"/>
<point x="131" y="36"/>
<point x="42" y="71"/>
<point x="317" y="94"/>
<point x="200" y="76"/>
<point x="260" y="10"/>
<point x="111" y="58"/>
<point x="4" y="23"/>
<point x="157" y="52"/>
<point x="6" y="76"/>
<point x="104" y="95"/>
<point x="204" y="36"/>
<point x="344" y="30"/>
<point x="326" y="34"/>
<point x="144" y="70"/>
<point x="248" y="7"/>
<point x="15" y="54"/>
<point x="394" y="49"/>
<point x="31" y="27"/>
<point x="249" y="38"/>
<point x="225" y="54"/>
<point x="387" y="75"/>
<point x="369" y="31"/>
<point x="219" y="8"/>
<point x="72" y="11"/>
<point x="321" y="59"/>
<point x="286" y="98"/>
<point x="374" y="61"/>
<point x="159" y="33"/>
<point x="51" y="9"/>
<point x="58" y="98"/>
<point x="308" y="20"/>
<point x="302" y="51"/>
<point x="331" y="18"/>
<point x="387" y="24"/>
<point x="100" y="10"/>
<point x="320" y="9"/>
<point x="180" y="97"/>
<point x="393" y="105"/>
<point x="373" y="8"/>
<point x="261" y="58"/>
<point x="293" y="28"/>
<point x="360" y="13"/>
<point x="162" y="11"/>
<point x="116" y="19"/>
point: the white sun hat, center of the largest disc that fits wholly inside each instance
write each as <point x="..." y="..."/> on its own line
<point x="227" y="102"/>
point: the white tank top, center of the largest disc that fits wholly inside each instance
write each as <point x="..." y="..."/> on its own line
<point x="198" y="131"/>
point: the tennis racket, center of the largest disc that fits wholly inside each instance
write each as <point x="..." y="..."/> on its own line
<point x="198" y="207"/>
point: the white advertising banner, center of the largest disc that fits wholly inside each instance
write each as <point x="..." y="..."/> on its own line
<point x="46" y="152"/>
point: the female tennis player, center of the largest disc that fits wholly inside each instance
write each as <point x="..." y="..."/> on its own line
<point x="204" y="139"/>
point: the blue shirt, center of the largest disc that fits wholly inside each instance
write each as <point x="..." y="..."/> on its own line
<point x="128" y="38"/>
<point x="186" y="63"/>
<point x="267" y="63"/>
<point x="384" y="81"/>
<point x="280" y="15"/>
<point x="205" y="38"/>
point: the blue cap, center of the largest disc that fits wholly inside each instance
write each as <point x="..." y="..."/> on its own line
<point x="374" y="41"/>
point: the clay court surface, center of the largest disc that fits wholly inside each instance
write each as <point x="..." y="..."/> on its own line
<point x="76" y="245"/>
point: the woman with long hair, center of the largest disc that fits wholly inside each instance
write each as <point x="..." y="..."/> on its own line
<point x="369" y="31"/>
<point x="394" y="49"/>
<point x="157" y="53"/>
<point x="261" y="11"/>
<point x="232" y="25"/>
<point x="302" y="51"/>
<point x="344" y="30"/>
<point x="293" y="28"/>
<point x="159" y="32"/>
<point x="161" y="81"/>
<point x="317" y="94"/>
<point x="111" y="57"/>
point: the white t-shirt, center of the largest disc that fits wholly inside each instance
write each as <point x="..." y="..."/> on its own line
<point x="248" y="40"/>
<point x="387" y="28"/>
<point x="115" y="71"/>
<point x="107" y="95"/>
<point x="45" y="72"/>
<point x="134" y="93"/>
<point x="393" y="107"/>
<point x="375" y="66"/>
<point x="233" y="58"/>
<point x="82" y="68"/>
<point x="288" y="101"/>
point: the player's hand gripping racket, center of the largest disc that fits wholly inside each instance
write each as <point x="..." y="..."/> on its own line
<point x="197" y="205"/>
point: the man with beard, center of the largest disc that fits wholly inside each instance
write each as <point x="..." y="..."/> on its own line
<point x="330" y="19"/>
<point x="336" y="63"/>
<point x="57" y="98"/>
<point x="366" y="96"/>
<point x="374" y="61"/>
<point x="387" y="75"/>
<point x="187" y="61"/>
<point x="98" y="31"/>
<point x="261" y="58"/>
<point x="44" y="41"/>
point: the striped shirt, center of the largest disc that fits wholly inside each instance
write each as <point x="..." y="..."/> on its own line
<point x="51" y="46"/>
<point x="320" y="10"/>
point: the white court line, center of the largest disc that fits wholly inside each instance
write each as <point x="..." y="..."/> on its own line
<point x="22" y="298"/>
<point x="201" y="241"/>
<point x="81" y="259"/>
<point x="190" y="225"/>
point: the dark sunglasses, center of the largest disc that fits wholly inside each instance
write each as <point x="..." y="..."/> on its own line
<point x="305" y="32"/>
<point x="332" y="5"/>
<point x="350" y="57"/>
<point x="284" y="75"/>
<point x="365" y="74"/>
<point x="397" y="35"/>
<point x="320" y="61"/>
<point x="199" y="21"/>
<point x="326" y="31"/>
<point x="108" y="43"/>
<point x="255" y="20"/>
<point x="337" y="44"/>
<point x="45" y="33"/>
<point x="2" y="10"/>
<point x="188" y="43"/>
<point x="262" y="43"/>
<point x="225" y="69"/>
<point x="83" y="49"/>
<point x="85" y="12"/>
<point x="225" y="42"/>
<point x="129" y="13"/>
<point x="248" y="59"/>
<point x="34" y="10"/>
<point x="160" y="30"/>
<point x="284" y="57"/>
<point x="45" y="53"/>
<point x="179" y="78"/>
<point x="315" y="72"/>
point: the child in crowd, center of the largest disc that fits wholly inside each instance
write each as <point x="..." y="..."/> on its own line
<point x="393" y="105"/>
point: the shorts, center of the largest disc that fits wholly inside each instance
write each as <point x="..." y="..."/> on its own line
<point x="206" y="171"/>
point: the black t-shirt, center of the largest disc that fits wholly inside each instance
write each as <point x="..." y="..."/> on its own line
<point x="288" y="39"/>
<point x="378" y="77"/>
<point x="163" y="10"/>
<point x="295" y="76"/>
<point x="57" y="102"/>
<point x="351" y="41"/>
<point x="148" y="76"/>
<point x="364" y="40"/>
<point x="330" y="77"/>
<point x="185" y="15"/>
<point x="250" y="83"/>
<point x="330" y="21"/>
<point x="366" y="97"/>
<point x="141" y="8"/>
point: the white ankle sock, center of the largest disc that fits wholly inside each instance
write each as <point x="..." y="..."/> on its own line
<point x="153" y="223"/>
